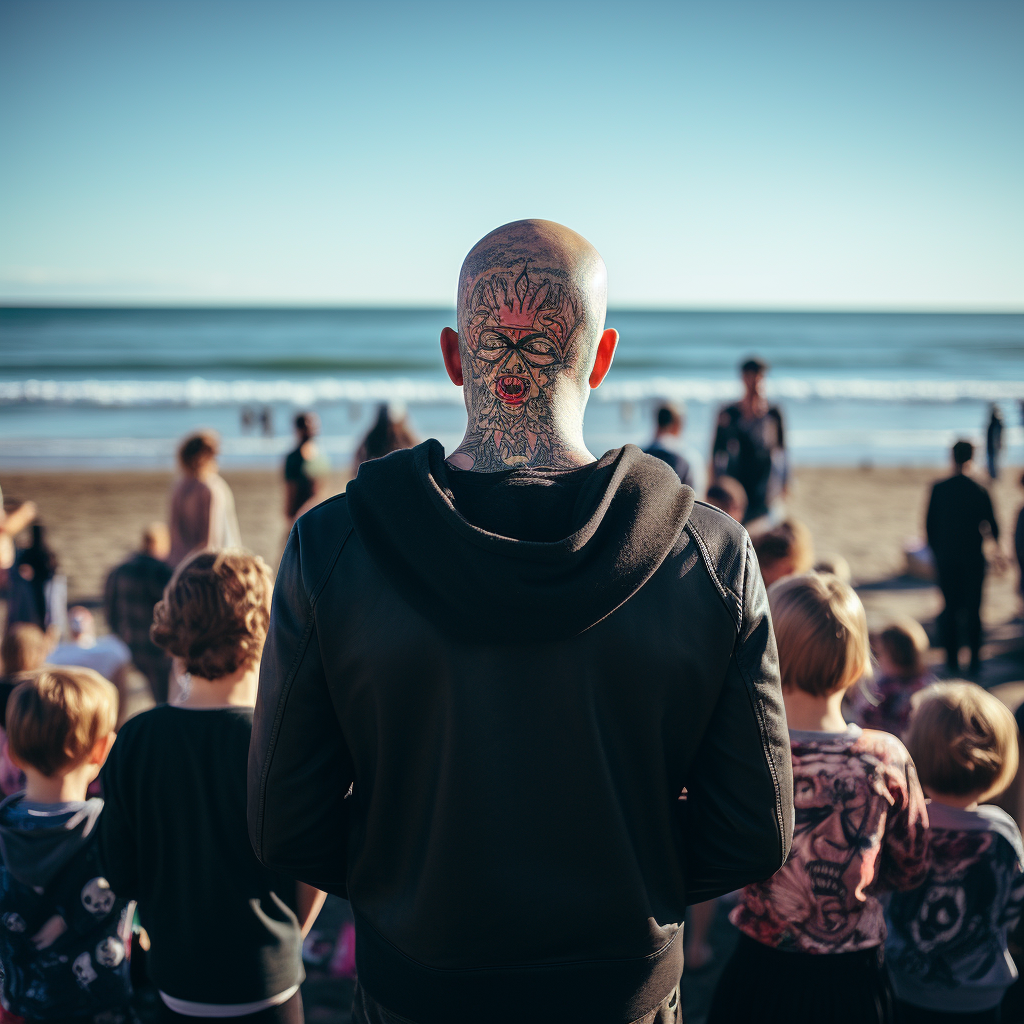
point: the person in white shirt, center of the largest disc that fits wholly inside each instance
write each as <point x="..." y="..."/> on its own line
<point x="108" y="654"/>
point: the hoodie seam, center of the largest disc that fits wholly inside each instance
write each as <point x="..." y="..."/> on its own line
<point x="736" y="608"/>
<point x="758" y="708"/>
<point x="282" y="700"/>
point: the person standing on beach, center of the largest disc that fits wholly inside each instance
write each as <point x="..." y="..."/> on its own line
<point x="669" y="421"/>
<point x="304" y="468"/>
<point x="750" y="444"/>
<point x="202" y="505"/>
<point x="490" y="679"/>
<point x="959" y="510"/>
<point x="994" y="441"/>
<point x="132" y="590"/>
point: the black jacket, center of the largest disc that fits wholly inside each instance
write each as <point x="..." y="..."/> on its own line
<point x="517" y="721"/>
<point x="957" y="510"/>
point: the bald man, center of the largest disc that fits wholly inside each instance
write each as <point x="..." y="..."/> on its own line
<point x="520" y="705"/>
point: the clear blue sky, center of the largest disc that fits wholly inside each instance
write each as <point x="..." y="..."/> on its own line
<point x="824" y="154"/>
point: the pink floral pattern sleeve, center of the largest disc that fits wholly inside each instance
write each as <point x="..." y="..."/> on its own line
<point x="861" y="828"/>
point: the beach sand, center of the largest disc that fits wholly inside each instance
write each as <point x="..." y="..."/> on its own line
<point x="94" y="520"/>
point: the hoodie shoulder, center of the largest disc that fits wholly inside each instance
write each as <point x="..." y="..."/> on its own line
<point x="723" y="546"/>
<point x="318" y="537"/>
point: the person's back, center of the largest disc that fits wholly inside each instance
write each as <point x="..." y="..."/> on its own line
<point x="518" y="659"/>
<point x="132" y="591"/>
<point x="65" y="934"/>
<point x="947" y="944"/>
<point x="225" y="939"/>
<point x="958" y="511"/>
<point x="958" y="508"/>
<point x="812" y="935"/>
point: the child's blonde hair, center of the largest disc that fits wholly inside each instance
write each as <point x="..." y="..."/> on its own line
<point x="963" y="740"/>
<point x="55" y="717"/>
<point x="822" y="633"/>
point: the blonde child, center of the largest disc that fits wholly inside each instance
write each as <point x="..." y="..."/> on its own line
<point x="946" y="949"/>
<point x="64" y="934"/>
<point x="812" y="936"/>
<point x="225" y="932"/>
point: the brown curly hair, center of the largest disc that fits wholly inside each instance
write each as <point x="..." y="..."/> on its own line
<point x="215" y="612"/>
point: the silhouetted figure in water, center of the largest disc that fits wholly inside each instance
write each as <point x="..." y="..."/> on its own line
<point x="959" y="510"/>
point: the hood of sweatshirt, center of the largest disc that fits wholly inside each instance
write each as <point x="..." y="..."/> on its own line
<point x="626" y="519"/>
<point x="36" y="842"/>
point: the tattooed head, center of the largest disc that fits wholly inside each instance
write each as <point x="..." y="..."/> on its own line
<point x="531" y="310"/>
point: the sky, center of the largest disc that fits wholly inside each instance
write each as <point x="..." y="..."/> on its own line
<point x="850" y="155"/>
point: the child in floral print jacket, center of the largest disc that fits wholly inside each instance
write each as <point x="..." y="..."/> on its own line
<point x="812" y="936"/>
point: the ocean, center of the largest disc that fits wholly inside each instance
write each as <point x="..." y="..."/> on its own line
<point x="108" y="388"/>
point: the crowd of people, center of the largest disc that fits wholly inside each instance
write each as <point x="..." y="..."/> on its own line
<point x="522" y="715"/>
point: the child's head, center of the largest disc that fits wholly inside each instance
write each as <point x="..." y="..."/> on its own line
<point x="786" y="550"/>
<point x="215" y="613"/>
<point x="24" y="648"/>
<point x="198" y="450"/>
<point x="727" y="493"/>
<point x="901" y="648"/>
<point x="963" y="741"/>
<point x="822" y="633"/>
<point x="57" y="718"/>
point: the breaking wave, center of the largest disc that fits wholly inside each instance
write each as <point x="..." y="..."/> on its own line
<point x="199" y="391"/>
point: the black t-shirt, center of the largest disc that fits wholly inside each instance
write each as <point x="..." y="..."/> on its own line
<point x="173" y="835"/>
<point x="743" y="449"/>
<point x="527" y="504"/>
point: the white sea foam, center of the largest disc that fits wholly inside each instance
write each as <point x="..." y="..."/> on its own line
<point x="199" y="391"/>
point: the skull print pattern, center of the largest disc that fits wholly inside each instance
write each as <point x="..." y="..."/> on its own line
<point x="861" y="827"/>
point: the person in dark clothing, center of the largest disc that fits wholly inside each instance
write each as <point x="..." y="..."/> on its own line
<point x="225" y="932"/>
<point x="65" y="936"/>
<point x="669" y="423"/>
<point x="750" y="444"/>
<point x="304" y="468"/>
<point x="994" y="441"/>
<point x="34" y="567"/>
<point x="129" y="597"/>
<point x="489" y="680"/>
<point x="390" y="433"/>
<point x="958" y="511"/>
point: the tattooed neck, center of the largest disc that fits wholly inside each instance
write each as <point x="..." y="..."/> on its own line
<point x="520" y="327"/>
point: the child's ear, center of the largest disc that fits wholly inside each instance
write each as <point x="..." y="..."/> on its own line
<point x="101" y="748"/>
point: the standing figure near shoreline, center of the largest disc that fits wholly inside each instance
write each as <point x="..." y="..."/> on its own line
<point x="994" y="441"/>
<point x="958" y="510"/>
<point x="304" y="469"/>
<point x="489" y="679"/>
<point x="202" y="505"/>
<point x="750" y="444"/>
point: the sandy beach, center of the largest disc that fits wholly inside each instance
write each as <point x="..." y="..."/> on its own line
<point x="94" y="520"/>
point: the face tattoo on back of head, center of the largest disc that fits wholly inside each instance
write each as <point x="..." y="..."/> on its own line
<point x="521" y="326"/>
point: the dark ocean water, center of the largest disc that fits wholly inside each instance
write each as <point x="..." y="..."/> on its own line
<point x="108" y="387"/>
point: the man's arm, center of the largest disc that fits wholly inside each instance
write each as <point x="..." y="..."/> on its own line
<point x="738" y="813"/>
<point x="300" y="770"/>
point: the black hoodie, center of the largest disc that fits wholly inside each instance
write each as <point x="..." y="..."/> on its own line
<point x="64" y="935"/>
<point x="517" y="720"/>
